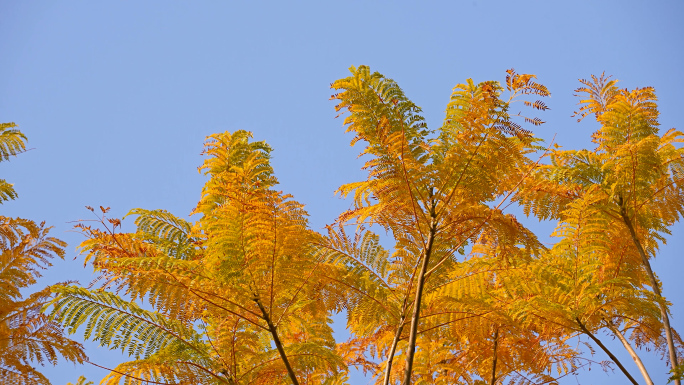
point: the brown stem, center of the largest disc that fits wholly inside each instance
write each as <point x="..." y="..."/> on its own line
<point x="393" y="349"/>
<point x="496" y="343"/>
<point x="656" y="289"/>
<point x="631" y="351"/>
<point x="276" y="340"/>
<point x="605" y="349"/>
<point x="411" y="348"/>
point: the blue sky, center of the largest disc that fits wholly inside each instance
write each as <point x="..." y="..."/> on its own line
<point x="116" y="98"/>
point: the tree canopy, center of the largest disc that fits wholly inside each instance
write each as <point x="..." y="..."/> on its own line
<point x="462" y="293"/>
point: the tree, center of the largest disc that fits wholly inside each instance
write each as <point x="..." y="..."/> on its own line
<point x="632" y="183"/>
<point x="27" y="336"/>
<point x="434" y="194"/>
<point x="234" y="294"/>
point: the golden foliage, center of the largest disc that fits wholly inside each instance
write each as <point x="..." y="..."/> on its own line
<point x="465" y="294"/>
<point x="615" y="205"/>
<point x="27" y="337"/>
<point x="12" y="142"/>
<point x="235" y="294"/>
<point x="434" y="192"/>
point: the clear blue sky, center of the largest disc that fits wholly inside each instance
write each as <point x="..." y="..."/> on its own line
<point x="116" y="98"/>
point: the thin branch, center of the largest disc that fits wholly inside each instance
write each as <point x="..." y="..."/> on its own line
<point x="511" y="192"/>
<point x="605" y="349"/>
